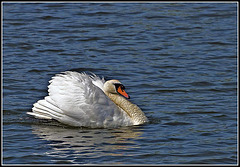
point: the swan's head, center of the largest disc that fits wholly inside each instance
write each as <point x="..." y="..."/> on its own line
<point x="115" y="87"/>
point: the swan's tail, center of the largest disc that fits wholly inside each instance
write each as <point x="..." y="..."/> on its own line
<point x="46" y="109"/>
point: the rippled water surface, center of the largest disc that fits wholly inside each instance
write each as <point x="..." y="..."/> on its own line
<point x="178" y="62"/>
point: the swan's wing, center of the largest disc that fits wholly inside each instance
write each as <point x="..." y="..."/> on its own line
<point x="73" y="92"/>
<point x="77" y="99"/>
<point x="97" y="81"/>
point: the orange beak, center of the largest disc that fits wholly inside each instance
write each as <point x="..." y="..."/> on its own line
<point x="122" y="92"/>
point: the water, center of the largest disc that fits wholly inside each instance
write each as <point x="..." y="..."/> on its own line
<point x="178" y="62"/>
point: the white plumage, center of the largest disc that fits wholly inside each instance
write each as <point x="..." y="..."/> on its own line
<point x="78" y="99"/>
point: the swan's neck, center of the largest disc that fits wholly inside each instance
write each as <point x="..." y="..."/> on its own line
<point x="134" y="112"/>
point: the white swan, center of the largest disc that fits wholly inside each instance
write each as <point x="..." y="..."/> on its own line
<point x="78" y="99"/>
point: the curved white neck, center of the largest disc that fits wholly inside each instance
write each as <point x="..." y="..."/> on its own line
<point x="134" y="112"/>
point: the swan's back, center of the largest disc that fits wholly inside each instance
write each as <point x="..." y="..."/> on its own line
<point x="77" y="99"/>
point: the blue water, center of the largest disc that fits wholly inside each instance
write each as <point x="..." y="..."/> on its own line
<point x="178" y="62"/>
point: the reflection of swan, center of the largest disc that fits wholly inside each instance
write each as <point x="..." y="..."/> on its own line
<point x="78" y="99"/>
<point x="88" y="142"/>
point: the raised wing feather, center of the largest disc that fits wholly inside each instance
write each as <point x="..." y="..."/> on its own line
<point x="74" y="92"/>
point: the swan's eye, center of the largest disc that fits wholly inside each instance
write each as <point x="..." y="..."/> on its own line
<point x="117" y="85"/>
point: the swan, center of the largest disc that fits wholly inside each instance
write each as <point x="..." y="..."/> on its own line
<point x="82" y="100"/>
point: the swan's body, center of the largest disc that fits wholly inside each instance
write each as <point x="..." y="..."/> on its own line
<point x="78" y="99"/>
